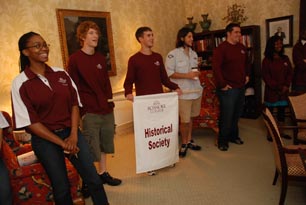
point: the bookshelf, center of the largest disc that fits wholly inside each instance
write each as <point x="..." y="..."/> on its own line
<point x="204" y="44"/>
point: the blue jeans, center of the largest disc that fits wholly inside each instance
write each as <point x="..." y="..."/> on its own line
<point x="52" y="158"/>
<point x="231" y="107"/>
<point x="5" y="187"/>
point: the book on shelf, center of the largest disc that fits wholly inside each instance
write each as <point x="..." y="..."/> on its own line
<point x="219" y="40"/>
<point x="246" y="40"/>
<point x="202" y="45"/>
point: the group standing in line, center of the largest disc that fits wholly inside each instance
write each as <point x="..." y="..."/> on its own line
<point x="85" y="89"/>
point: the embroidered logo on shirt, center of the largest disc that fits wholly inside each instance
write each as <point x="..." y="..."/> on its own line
<point x="242" y="51"/>
<point x="99" y="66"/>
<point x="285" y="64"/>
<point x="63" y="81"/>
<point x="170" y="56"/>
<point x="157" y="63"/>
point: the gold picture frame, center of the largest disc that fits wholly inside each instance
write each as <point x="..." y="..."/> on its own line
<point x="68" y="20"/>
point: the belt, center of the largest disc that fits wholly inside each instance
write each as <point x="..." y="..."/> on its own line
<point x="59" y="130"/>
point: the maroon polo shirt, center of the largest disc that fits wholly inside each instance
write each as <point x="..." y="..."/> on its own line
<point x="46" y="99"/>
<point x="230" y="65"/>
<point x="89" y="72"/>
<point x="298" y="56"/>
<point x="148" y="73"/>
<point x="276" y="74"/>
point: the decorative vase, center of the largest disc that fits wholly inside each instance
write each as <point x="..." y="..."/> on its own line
<point x="190" y="24"/>
<point x="205" y="24"/>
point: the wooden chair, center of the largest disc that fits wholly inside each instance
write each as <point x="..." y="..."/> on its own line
<point x="30" y="184"/>
<point x="298" y="114"/>
<point x="288" y="160"/>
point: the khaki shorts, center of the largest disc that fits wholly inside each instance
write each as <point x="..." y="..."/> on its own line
<point x="99" y="130"/>
<point x="189" y="109"/>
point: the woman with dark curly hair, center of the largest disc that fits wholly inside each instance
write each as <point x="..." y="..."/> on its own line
<point x="277" y="74"/>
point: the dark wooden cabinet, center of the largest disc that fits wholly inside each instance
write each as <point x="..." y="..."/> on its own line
<point x="204" y="44"/>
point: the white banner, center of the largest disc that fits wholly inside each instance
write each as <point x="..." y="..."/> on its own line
<point x="156" y="131"/>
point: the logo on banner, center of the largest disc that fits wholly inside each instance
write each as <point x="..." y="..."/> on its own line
<point x="156" y="107"/>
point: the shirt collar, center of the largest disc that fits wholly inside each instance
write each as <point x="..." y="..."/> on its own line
<point x="183" y="49"/>
<point x="30" y="74"/>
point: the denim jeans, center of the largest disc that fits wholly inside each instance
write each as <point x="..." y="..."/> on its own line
<point x="52" y="158"/>
<point x="5" y="187"/>
<point x="231" y="107"/>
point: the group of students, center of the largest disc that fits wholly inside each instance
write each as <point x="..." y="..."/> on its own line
<point x="48" y="101"/>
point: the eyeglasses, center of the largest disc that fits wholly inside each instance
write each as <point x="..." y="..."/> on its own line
<point x="39" y="46"/>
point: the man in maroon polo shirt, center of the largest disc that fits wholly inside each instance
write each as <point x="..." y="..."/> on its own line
<point x="299" y="60"/>
<point x="231" y="71"/>
<point x="87" y="67"/>
<point x="146" y="70"/>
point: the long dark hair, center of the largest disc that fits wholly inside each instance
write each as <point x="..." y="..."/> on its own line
<point x="22" y="44"/>
<point x="270" y="47"/>
<point x="182" y="33"/>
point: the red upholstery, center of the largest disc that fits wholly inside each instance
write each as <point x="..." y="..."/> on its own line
<point x="30" y="184"/>
<point x="210" y="104"/>
<point x="17" y="148"/>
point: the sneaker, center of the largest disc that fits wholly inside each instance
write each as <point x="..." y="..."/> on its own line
<point x="108" y="179"/>
<point x="151" y="173"/>
<point x="192" y="145"/>
<point x="183" y="150"/>
<point x="85" y="190"/>
<point x="223" y="146"/>
<point x="237" y="141"/>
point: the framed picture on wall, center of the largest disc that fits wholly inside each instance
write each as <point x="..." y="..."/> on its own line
<point x="282" y="26"/>
<point x="68" y="21"/>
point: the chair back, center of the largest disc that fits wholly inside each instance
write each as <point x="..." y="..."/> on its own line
<point x="298" y="106"/>
<point x="279" y="154"/>
<point x="8" y="134"/>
